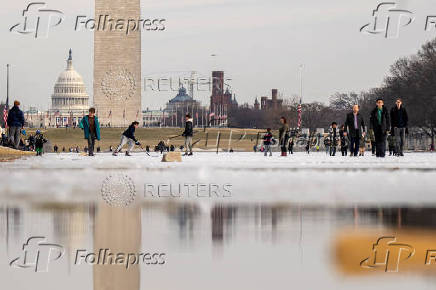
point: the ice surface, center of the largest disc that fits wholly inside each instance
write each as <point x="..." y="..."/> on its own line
<point x="310" y="179"/>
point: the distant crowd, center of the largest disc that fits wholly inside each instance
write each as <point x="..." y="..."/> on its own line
<point x="385" y="128"/>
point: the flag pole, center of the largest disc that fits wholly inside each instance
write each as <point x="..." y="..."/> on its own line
<point x="7" y="85"/>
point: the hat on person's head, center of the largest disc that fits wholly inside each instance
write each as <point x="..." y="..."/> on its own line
<point x="16" y="103"/>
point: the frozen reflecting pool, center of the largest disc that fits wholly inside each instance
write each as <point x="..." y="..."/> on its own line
<point x="313" y="221"/>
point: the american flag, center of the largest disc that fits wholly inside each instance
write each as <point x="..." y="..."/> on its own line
<point x="299" y="110"/>
<point x="5" y="112"/>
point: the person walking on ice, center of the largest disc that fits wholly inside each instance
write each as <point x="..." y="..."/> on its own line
<point x="188" y="133"/>
<point x="128" y="137"/>
<point x="267" y="141"/>
<point x="91" y="129"/>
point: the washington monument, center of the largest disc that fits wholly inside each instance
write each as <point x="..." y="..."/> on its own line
<point x="117" y="65"/>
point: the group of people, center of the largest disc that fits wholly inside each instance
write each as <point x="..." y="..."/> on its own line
<point x="91" y="129"/>
<point x="352" y="135"/>
<point x="381" y="124"/>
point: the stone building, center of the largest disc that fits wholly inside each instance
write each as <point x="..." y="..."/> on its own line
<point x="271" y="104"/>
<point x="69" y="101"/>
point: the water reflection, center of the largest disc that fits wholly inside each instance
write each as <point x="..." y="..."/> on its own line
<point x="188" y="231"/>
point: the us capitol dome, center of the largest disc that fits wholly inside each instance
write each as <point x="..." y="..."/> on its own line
<point x="70" y="101"/>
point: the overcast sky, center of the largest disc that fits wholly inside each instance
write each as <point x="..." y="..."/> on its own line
<point x="259" y="44"/>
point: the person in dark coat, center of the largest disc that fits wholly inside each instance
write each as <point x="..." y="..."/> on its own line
<point x="267" y="142"/>
<point x="188" y="133"/>
<point x="381" y="124"/>
<point x="128" y="137"/>
<point x="39" y="143"/>
<point x="333" y="136"/>
<point x="15" y="123"/>
<point x="399" y="125"/>
<point x="291" y="146"/>
<point x="284" y="136"/>
<point x="344" y="140"/>
<point x="355" y="128"/>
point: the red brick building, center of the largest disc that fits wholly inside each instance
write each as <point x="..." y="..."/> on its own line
<point x="221" y="100"/>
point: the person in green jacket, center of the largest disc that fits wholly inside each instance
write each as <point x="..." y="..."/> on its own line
<point x="91" y="129"/>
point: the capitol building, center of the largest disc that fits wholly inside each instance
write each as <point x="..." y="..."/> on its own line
<point x="69" y="101"/>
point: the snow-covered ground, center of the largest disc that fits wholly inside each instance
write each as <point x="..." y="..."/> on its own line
<point x="311" y="179"/>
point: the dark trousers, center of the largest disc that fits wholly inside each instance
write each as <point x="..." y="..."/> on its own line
<point x="354" y="146"/>
<point x="373" y="147"/>
<point x="91" y="143"/>
<point x="332" y="150"/>
<point x="380" y="143"/>
<point x="14" y="136"/>
<point x="291" y="149"/>
<point x="400" y="134"/>
<point x="284" y="142"/>
<point x="344" y="150"/>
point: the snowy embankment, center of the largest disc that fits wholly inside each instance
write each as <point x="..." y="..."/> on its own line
<point x="314" y="179"/>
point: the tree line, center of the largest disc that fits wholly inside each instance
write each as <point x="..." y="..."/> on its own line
<point x="411" y="78"/>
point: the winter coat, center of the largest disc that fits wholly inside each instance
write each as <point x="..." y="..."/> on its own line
<point x="189" y="130"/>
<point x="283" y="133"/>
<point x="391" y="141"/>
<point x="385" y="121"/>
<point x="334" y="136"/>
<point x="343" y="139"/>
<point x="399" y="118"/>
<point x="15" y="117"/>
<point x="84" y="124"/>
<point x="349" y="125"/>
<point x="267" y="138"/>
<point x="371" y="135"/>
<point x="39" y="141"/>
<point x="130" y="133"/>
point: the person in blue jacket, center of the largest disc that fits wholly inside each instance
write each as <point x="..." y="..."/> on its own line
<point x="91" y="129"/>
